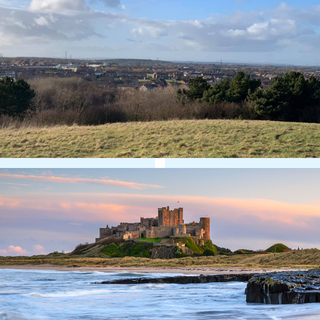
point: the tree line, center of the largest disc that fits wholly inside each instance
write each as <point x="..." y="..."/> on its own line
<point x="291" y="97"/>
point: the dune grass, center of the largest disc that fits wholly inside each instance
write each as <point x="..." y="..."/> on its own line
<point x="167" y="139"/>
<point x="302" y="259"/>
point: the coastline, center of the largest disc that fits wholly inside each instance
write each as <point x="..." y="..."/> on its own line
<point x="182" y="270"/>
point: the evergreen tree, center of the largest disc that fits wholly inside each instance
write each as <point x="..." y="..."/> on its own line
<point x="15" y="96"/>
<point x="237" y="90"/>
<point x="289" y="98"/>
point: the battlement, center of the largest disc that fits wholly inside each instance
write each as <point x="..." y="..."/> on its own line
<point x="167" y="217"/>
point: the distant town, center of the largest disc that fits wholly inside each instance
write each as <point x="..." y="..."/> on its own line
<point x="143" y="75"/>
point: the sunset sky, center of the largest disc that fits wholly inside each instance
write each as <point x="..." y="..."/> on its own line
<point x="273" y="31"/>
<point x="46" y="210"/>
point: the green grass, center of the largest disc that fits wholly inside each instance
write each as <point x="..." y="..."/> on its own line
<point x="209" y="246"/>
<point x="155" y="240"/>
<point x="112" y="250"/>
<point x="193" y="246"/>
<point x="167" y="139"/>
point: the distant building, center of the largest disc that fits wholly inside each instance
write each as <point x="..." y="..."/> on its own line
<point x="148" y="87"/>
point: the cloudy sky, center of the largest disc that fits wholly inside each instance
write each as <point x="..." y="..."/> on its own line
<point x="46" y="210"/>
<point x="233" y="30"/>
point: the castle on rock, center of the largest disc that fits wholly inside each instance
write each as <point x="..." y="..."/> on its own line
<point x="168" y="223"/>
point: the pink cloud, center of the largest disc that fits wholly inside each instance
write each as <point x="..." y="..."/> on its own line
<point x="105" y="182"/>
<point x="38" y="249"/>
<point x="18" y="251"/>
<point x="12" y="250"/>
<point x="16" y="184"/>
<point x="130" y="207"/>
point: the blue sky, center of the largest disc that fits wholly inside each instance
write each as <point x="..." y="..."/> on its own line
<point x="48" y="210"/>
<point x="233" y="30"/>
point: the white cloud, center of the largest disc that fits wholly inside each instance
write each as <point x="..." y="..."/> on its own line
<point x="149" y="30"/>
<point x="41" y="21"/>
<point x="58" y="6"/>
<point x="64" y="21"/>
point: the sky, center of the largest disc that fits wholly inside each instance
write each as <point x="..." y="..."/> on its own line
<point x="247" y="31"/>
<point x="42" y="211"/>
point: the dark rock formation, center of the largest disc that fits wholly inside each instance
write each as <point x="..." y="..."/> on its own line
<point x="284" y="288"/>
<point x="184" y="279"/>
<point x="163" y="252"/>
<point x="269" y="288"/>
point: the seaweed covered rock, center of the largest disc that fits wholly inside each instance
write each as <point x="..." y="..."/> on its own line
<point x="284" y="288"/>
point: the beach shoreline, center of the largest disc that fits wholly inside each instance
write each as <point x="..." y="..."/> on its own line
<point x="182" y="270"/>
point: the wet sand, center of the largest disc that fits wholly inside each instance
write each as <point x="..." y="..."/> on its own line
<point x="182" y="270"/>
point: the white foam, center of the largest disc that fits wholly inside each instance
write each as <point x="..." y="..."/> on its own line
<point x="76" y="293"/>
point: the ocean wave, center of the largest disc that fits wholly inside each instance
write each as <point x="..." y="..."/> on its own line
<point x="75" y="293"/>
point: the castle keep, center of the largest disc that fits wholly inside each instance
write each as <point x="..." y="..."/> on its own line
<point x="168" y="223"/>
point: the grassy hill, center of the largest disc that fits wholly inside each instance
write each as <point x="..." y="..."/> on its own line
<point x="278" y="247"/>
<point x="119" y="248"/>
<point x="167" y="139"/>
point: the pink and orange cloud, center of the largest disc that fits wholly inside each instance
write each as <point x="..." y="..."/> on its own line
<point x="18" y="251"/>
<point x="104" y="182"/>
<point x="129" y="207"/>
<point x="12" y="250"/>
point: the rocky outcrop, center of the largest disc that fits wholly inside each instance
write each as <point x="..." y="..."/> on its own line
<point x="284" y="288"/>
<point x="163" y="252"/>
<point x="184" y="279"/>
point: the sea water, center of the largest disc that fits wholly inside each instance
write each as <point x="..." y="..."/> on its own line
<point x="28" y="294"/>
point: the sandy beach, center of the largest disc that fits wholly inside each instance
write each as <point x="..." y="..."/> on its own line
<point x="203" y="270"/>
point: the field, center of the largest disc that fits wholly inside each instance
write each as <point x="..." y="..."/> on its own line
<point x="297" y="259"/>
<point x="167" y="139"/>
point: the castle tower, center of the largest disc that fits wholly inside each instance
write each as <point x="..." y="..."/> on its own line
<point x="167" y="217"/>
<point x="205" y="225"/>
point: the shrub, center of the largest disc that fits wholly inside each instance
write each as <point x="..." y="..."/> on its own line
<point x="208" y="253"/>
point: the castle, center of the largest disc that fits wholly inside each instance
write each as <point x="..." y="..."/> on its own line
<point x="168" y="223"/>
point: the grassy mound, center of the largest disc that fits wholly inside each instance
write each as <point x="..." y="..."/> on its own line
<point x="243" y="251"/>
<point x="278" y="247"/>
<point x="166" y="139"/>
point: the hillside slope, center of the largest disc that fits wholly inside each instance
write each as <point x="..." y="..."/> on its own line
<point x="167" y="139"/>
<point x="117" y="248"/>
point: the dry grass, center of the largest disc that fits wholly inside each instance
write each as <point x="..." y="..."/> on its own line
<point x="299" y="259"/>
<point x="167" y="139"/>
<point x="295" y="259"/>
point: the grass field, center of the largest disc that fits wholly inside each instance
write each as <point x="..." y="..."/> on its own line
<point x="298" y="259"/>
<point x="167" y="139"/>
